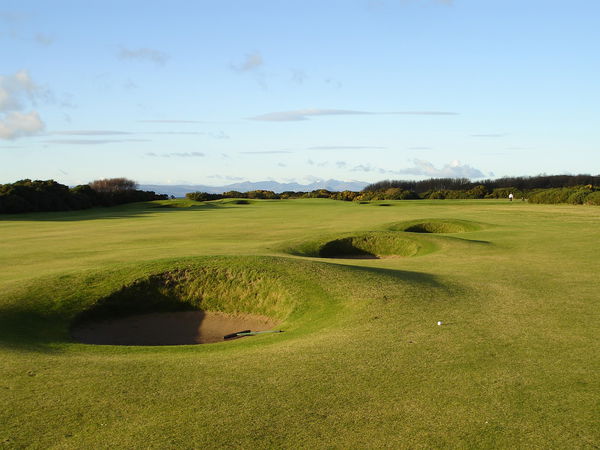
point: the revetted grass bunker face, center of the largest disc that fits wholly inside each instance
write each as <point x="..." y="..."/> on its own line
<point x="185" y="306"/>
<point x="368" y="245"/>
<point x="436" y="226"/>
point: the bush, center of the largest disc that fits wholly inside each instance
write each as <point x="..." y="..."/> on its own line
<point x="234" y="194"/>
<point x="578" y="197"/>
<point x="505" y="192"/>
<point x="261" y="194"/>
<point x="551" y="196"/>
<point x="113" y="185"/>
<point x="203" y="196"/>
<point x="48" y="195"/>
<point x="593" y="198"/>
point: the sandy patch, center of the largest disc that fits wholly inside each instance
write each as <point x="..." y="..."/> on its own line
<point x="173" y="328"/>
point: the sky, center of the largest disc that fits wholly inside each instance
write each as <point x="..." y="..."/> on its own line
<point x="217" y="92"/>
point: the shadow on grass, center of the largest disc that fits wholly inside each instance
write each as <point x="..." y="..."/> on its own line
<point x="25" y="330"/>
<point x="112" y="212"/>
<point x="419" y="278"/>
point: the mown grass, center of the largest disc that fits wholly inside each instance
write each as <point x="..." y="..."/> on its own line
<point x="363" y="363"/>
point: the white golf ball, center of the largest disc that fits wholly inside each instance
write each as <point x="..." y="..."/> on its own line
<point x="440" y="322"/>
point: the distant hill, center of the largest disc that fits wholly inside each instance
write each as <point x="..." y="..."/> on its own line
<point x="181" y="190"/>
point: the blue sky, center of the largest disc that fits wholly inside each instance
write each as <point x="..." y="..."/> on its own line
<point x="215" y="92"/>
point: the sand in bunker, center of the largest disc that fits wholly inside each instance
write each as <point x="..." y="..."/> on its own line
<point x="172" y="328"/>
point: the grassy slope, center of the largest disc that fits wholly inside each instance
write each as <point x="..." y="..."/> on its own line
<point x="516" y="365"/>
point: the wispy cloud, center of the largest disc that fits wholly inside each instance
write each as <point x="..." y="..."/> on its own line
<point x="267" y="152"/>
<point x="43" y="39"/>
<point x="89" y="133"/>
<point x="333" y="82"/>
<point x="217" y="135"/>
<point x="144" y="54"/>
<point x="214" y="135"/>
<point x="225" y="177"/>
<point x="91" y="141"/>
<point x="310" y="162"/>
<point x="489" y="135"/>
<point x="298" y="76"/>
<point x="176" y="155"/>
<point x="170" y="121"/>
<point x="346" y="147"/>
<point x="251" y="62"/>
<point x="305" y="114"/>
<point x="12" y="17"/>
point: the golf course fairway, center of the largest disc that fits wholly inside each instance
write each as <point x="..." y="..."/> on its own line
<point x="358" y="290"/>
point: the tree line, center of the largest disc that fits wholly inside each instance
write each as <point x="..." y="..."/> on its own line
<point x="48" y="195"/>
<point x="520" y="183"/>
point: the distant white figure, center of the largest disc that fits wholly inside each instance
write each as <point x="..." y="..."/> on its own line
<point x="510" y="197"/>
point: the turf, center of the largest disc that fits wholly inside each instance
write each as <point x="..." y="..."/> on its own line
<point x="362" y="362"/>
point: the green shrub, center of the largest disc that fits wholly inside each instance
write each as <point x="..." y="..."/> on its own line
<point x="202" y="196"/>
<point x="505" y="192"/>
<point x="551" y="196"/>
<point x="578" y="197"/>
<point x="593" y="198"/>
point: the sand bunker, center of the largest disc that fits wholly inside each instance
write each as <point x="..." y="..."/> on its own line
<point x="168" y="328"/>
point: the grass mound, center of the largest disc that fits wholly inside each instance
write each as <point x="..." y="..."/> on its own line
<point x="278" y="290"/>
<point x="373" y="244"/>
<point x="233" y="291"/>
<point x="436" y="226"/>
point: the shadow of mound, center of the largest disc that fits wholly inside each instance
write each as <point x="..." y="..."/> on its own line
<point x="345" y="248"/>
<point x="168" y="328"/>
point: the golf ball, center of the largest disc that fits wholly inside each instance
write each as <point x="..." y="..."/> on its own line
<point x="439" y="322"/>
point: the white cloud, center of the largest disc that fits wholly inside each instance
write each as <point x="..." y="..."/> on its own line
<point x="454" y="169"/>
<point x="15" y="92"/>
<point x="144" y="54"/>
<point x="16" y="124"/>
<point x="305" y="114"/>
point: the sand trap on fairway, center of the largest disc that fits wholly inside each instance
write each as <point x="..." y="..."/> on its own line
<point x="170" y="328"/>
